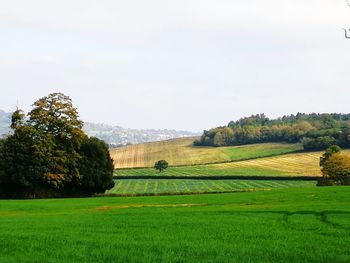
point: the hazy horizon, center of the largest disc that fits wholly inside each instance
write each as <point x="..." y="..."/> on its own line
<point x="184" y="65"/>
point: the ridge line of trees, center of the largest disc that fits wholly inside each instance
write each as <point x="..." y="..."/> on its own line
<point x="313" y="131"/>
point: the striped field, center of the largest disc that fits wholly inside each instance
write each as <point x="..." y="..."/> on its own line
<point x="168" y="186"/>
<point x="180" y="152"/>
<point x="296" y="164"/>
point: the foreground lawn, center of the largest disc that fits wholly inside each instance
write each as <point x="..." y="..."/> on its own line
<point x="170" y="186"/>
<point x="308" y="224"/>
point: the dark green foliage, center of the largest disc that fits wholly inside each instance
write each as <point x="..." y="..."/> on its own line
<point x="161" y="165"/>
<point x="318" y="143"/>
<point x="17" y="175"/>
<point x="314" y="131"/>
<point x="333" y="182"/>
<point x="96" y="166"/>
<point x="43" y="156"/>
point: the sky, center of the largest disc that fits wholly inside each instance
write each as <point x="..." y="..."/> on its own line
<point x="185" y="64"/>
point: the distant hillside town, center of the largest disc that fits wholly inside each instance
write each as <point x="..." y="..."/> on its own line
<point x="113" y="135"/>
<point x="118" y="136"/>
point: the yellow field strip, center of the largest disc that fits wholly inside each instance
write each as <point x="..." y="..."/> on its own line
<point x="303" y="164"/>
<point x="176" y="152"/>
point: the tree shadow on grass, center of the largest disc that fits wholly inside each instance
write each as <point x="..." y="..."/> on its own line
<point x="321" y="216"/>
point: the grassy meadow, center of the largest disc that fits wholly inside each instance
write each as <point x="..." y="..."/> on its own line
<point x="183" y="186"/>
<point x="304" y="224"/>
<point x="179" y="152"/>
<point x="295" y="164"/>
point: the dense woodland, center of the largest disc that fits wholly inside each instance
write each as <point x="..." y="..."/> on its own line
<point x="49" y="155"/>
<point x="314" y="131"/>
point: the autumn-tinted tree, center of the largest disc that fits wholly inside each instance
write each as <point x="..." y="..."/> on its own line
<point x="335" y="167"/>
<point x="161" y="165"/>
<point x="55" y="115"/>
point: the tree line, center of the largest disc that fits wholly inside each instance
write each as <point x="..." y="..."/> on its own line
<point x="313" y="131"/>
<point x="47" y="154"/>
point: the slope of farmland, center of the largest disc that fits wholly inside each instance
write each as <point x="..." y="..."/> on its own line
<point x="295" y="164"/>
<point x="180" y="152"/>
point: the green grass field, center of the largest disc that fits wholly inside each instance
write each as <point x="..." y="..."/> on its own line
<point x="252" y="151"/>
<point x="165" y="186"/>
<point x="308" y="224"/>
<point x="182" y="152"/>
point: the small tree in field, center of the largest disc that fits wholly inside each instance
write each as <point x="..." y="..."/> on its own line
<point x="161" y="165"/>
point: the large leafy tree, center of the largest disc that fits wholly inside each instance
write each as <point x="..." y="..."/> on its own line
<point x="48" y="154"/>
<point x="55" y="116"/>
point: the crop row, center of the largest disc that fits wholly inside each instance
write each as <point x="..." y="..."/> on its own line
<point x="182" y="152"/>
<point x="154" y="186"/>
<point x="299" y="164"/>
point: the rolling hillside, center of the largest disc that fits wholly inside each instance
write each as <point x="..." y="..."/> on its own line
<point x="180" y="152"/>
<point x="296" y="164"/>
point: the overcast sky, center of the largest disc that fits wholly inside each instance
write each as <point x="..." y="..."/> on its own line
<point x="185" y="64"/>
